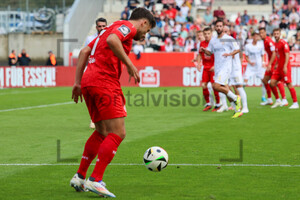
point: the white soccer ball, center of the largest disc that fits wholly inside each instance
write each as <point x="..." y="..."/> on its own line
<point x="156" y="159"/>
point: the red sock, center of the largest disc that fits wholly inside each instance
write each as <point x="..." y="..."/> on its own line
<point x="206" y="94"/>
<point x="275" y="92"/>
<point x="293" y="94"/>
<point x="268" y="88"/>
<point x="106" y="153"/>
<point x="281" y="90"/>
<point x="90" y="151"/>
<point x="217" y="96"/>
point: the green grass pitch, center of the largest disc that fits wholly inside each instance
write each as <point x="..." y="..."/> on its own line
<point x="190" y="136"/>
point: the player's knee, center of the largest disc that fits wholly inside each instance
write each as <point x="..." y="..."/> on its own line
<point x="273" y="84"/>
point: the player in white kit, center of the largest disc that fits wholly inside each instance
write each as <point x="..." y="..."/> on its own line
<point x="254" y="55"/>
<point x="224" y="47"/>
<point x="236" y="77"/>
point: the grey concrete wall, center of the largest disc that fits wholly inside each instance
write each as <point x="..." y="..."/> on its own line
<point x="37" y="46"/>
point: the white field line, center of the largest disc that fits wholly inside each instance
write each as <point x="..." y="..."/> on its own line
<point x="137" y="164"/>
<point x="28" y="92"/>
<point x="34" y="107"/>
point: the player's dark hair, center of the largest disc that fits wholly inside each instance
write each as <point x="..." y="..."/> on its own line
<point x="219" y="20"/>
<point x="276" y="29"/>
<point x="200" y="31"/>
<point x="207" y="29"/>
<point x="262" y="28"/>
<point x="143" y="13"/>
<point x="101" y="20"/>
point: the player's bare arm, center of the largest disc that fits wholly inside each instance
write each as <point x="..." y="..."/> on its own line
<point x="206" y="51"/>
<point x="82" y="59"/>
<point x="115" y="45"/>
<point x="287" y="57"/>
<point x="199" y="62"/>
<point x="248" y="60"/>
<point x="232" y="53"/>
<point x="269" y="67"/>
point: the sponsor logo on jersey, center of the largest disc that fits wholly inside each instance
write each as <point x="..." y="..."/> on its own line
<point x="92" y="60"/>
<point x="124" y="30"/>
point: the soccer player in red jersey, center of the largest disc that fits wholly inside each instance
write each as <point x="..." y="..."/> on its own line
<point x="208" y="72"/>
<point x="283" y="70"/>
<point x="103" y="95"/>
<point x="269" y="45"/>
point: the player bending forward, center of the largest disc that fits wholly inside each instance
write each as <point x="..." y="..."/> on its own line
<point x="208" y="72"/>
<point x="224" y="49"/>
<point x="269" y="45"/>
<point x="283" y="70"/>
<point x="103" y="95"/>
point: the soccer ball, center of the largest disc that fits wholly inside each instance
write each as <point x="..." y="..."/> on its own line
<point x="156" y="159"/>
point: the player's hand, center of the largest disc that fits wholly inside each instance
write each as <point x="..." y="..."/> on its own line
<point x="252" y="63"/>
<point x="212" y="69"/>
<point x="194" y="60"/>
<point x="133" y="72"/>
<point x="199" y="66"/>
<point x="285" y="70"/>
<point x="76" y="92"/>
<point x="226" y="55"/>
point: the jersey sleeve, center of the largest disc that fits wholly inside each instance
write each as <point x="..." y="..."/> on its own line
<point x="262" y="51"/>
<point x="123" y="32"/>
<point x="286" y="48"/>
<point x="246" y="50"/>
<point x="271" y="45"/>
<point x="210" y="46"/>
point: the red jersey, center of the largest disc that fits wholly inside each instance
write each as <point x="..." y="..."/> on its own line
<point x="104" y="68"/>
<point x="269" y="47"/>
<point x="281" y="47"/>
<point x="208" y="61"/>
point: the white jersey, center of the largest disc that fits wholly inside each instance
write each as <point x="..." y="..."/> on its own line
<point x="220" y="46"/>
<point x="255" y="53"/>
<point x="90" y="38"/>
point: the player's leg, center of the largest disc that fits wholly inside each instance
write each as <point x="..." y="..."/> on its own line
<point x="216" y="93"/>
<point x="288" y="81"/>
<point x="107" y="150"/>
<point x="269" y="101"/>
<point x="280" y="86"/>
<point x="206" y="96"/>
<point x="274" y="80"/>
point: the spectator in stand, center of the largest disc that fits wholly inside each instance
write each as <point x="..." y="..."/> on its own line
<point x="169" y="45"/>
<point x="171" y="11"/>
<point x="132" y="4"/>
<point x="184" y="32"/>
<point x="238" y="19"/>
<point x="252" y="21"/>
<point x="293" y="3"/>
<point x="180" y="18"/>
<point x="294" y="16"/>
<point x="220" y="14"/>
<point x="296" y="47"/>
<point x="138" y="49"/>
<point x="208" y="17"/>
<point x="245" y="18"/>
<point x="189" y="44"/>
<point x="23" y="58"/>
<point x="288" y="10"/>
<point x="12" y="58"/>
<point x="278" y="6"/>
<point x="263" y="22"/>
<point x="284" y="24"/>
<point x="179" y="3"/>
<point x="126" y="12"/>
<point x="147" y="5"/>
<point x="271" y="26"/>
<point x="274" y="17"/>
<point x="51" y="60"/>
<point x="184" y="9"/>
<point x="293" y="25"/>
<point x="189" y="18"/>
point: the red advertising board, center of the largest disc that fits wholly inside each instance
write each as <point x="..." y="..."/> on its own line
<point x="155" y="69"/>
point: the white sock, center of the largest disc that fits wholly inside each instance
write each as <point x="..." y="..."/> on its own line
<point x="243" y="97"/>
<point x="223" y="99"/>
<point x="264" y="91"/>
<point x="270" y="100"/>
<point x="231" y="95"/>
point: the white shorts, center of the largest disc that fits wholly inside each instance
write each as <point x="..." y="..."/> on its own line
<point x="236" y="77"/>
<point x="259" y="72"/>
<point x="222" y="75"/>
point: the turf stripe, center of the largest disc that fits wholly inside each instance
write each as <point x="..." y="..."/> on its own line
<point x="34" y="107"/>
<point x="137" y="164"/>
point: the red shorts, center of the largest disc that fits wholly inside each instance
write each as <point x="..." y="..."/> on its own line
<point x="270" y="73"/>
<point x="208" y="76"/>
<point x="104" y="103"/>
<point x="280" y="76"/>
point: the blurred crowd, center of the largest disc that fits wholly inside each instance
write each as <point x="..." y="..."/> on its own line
<point x="177" y="29"/>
